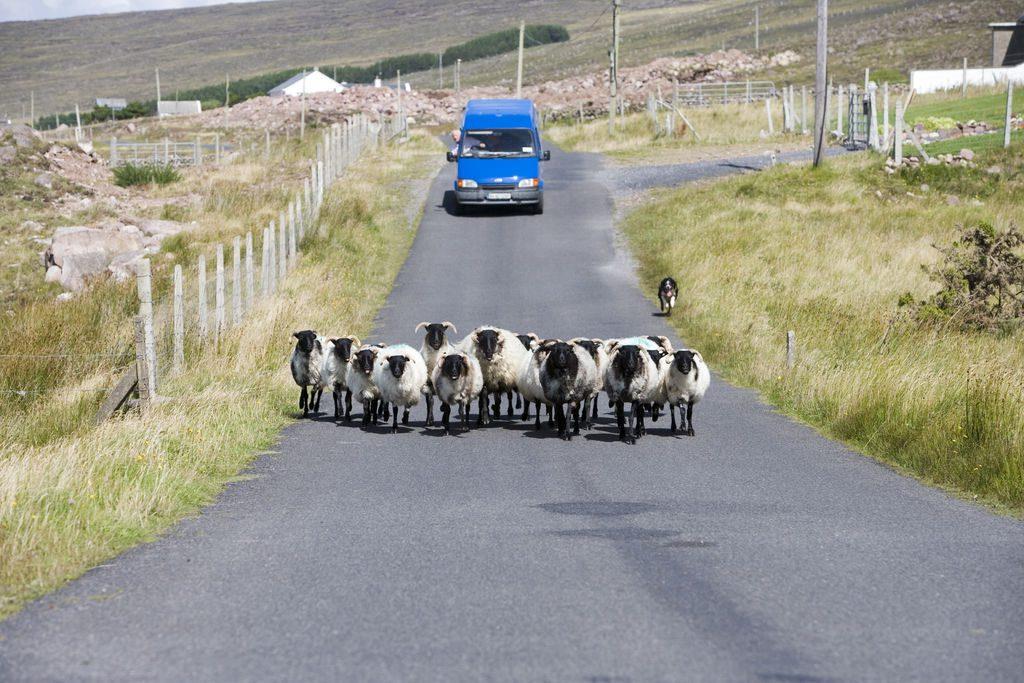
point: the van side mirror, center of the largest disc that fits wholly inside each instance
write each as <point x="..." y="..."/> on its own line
<point x="450" y="156"/>
<point x="546" y="156"/>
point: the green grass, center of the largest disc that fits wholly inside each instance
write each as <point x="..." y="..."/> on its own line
<point x="145" y="174"/>
<point x="827" y="253"/>
<point x="977" y="143"/>
<point x="989" y="107"/>
<point x="70" y="502"/>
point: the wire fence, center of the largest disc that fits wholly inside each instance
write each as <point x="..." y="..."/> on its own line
<point x="205" y="299"/>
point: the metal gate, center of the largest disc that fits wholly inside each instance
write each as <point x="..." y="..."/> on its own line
<point x="858" y="130"/>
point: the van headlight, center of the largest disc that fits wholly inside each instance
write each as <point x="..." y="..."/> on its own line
<point x="528" y="182"/>
<point x="466" y="183"/>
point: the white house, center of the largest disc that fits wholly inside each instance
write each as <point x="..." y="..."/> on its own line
<point x="178" y="108"/>
<point x="307" y="82"/>
<point x="924" y="82"/>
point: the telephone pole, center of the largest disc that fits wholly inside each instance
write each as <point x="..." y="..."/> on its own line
<point x="227" y="91"/>
<point x="519" y="65"/>
<point x="613" y="71"/>
<point x="820" y="87"/>
<point x="458" y="75"/>
<point x="158" y="88"/>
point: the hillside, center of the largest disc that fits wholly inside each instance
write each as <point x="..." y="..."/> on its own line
<point x="77" y="59"/>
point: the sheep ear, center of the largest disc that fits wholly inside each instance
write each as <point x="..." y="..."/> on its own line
<point x="450" y="326"/>
<point x="296" y="334"/>
<point x="421" y="326"/>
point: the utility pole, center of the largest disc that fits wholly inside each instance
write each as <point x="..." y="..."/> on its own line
<point x="519" y="64"/>
<point x="227" y="91"/>
<point x="757" y="28"/>
<point x="158" y="88"/>
<point x="613" y="71"/>
<point x="458" y="75"/>
<point x="820" y="88"/>
<point x="32" y="108"/>
<point x="440" y="70"/>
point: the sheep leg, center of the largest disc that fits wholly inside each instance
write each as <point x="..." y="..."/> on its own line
<point x="526" y="411"/>
<point x="655" y="411"/>
<point x="593" y="415"/>
<point x="519" y="401"/>
<point x="385" y="409"/>
<point x="464" y="414"/>
<point x="367" y="410"/>
<point x="641" y="428"/>
<point x="336" y="395"/>
<point x="348" y="405"/>
<point x="483" y="416"/>
<point x="689" y="418"/>
<point x="576" y="419"/>
<point x="620" y="418"/>
<point x="446" y="413"/>
<point x="394" y="422"/>
<point x="672" y="412"/>
<point x="563" y="431"/>
<point x="634" y="408"/>
<point x="304" y="401"/>
<point x="511" y="414"/>
<point x="317" y="393"/>
<point x="496" y="408"/>
<point x="551" y="416"/>
<point x="430" y="410"/>
<point x="536" y="422"/>
<point x="405" y="415"/>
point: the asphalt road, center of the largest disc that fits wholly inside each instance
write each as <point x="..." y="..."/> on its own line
<point x="757" y="550"/>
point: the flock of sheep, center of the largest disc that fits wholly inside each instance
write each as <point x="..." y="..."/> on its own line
<point x="566" y="376"/>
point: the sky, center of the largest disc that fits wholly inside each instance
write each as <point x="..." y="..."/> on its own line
<point x="20" y="10"/>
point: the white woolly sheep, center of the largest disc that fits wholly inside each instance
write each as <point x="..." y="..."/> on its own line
<point x="334" y="372"/>
<point x="400" y="375"/>
<point x="361" y="382"/>
<point x="528" y="383"/>
<point x="632" y="377"/>
<point x="305" y="364"/>
<point x="435" y="345"/>
<point x="568" y="376"/>
<point x="686" y="379"/>
<point x="500" y="355"/>
<point x="457" y="380"/>
<point x="597" y="352"/>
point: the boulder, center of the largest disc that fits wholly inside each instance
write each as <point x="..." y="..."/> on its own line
<point x="7" y="154"/>
<point x="125" y="266"/>
<point x="22" y="135"/>
<point x="44" y="180"/>
<point x="967" y="154"/>
<point x="83" y="252"/>
<point x="160" y="229"/>
<point x="78" y="268"/>
<point x="53" y="274"/>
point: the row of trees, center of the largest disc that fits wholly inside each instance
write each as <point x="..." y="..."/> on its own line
<point x="212" y="96"/>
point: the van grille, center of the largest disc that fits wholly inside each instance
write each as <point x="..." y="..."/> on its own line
<point x="503" y="186"/>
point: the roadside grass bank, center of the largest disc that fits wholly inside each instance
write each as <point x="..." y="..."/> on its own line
<point x="74" y="501"/>
<point x="828" y="253"/>
<point x="725" y="130"/>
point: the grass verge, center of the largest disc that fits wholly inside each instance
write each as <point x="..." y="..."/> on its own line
<point x="827" y="253"/>
<point x="726" y="131"/>
<point x="74" y="501"/>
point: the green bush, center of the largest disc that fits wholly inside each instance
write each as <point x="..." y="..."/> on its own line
<point x="144" y="174"/>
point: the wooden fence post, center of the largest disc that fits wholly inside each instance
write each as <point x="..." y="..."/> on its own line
<point x="790" y="349"/>
<point x="272" y="253"/>
<point x="250" y="284"/>
<point x="265" y="264"/>
<point x="803" y="109"/>
<point x="144" y="282"/>
<point x="768" y="111"/>
<point x="840" y="103"/>
<point x="236" y="282"/>
<point x="219" y="296"/>
<point x="885" y="113"/>
<point x="142" y="366"/>
<point x="898" y="133"/>
<point x="1009" y="114"/>
<point x="292" y="245"/>
<point x="299" y="217"/>
<point x="282" y="255"/>
<point x="179" y="319"/>
<point x="204" y="327"/>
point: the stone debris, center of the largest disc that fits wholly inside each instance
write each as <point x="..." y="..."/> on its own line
<point x="565" y="97"/>
<point x="964" y="159"/>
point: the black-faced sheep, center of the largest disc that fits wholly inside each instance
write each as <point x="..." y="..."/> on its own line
<point x="305" y="364"/>
<point x="335" y="373"/>
<point x="595" y="347"/>
<point x="361" y="384"/>
<point x="400" y="375"/>
<point x="500" y="355"/>
<point x="632" y="377"/>
<point x="435" y="344"/>
<point x="568" y="376"/>
<point x="686" y="379"/>
<point x="458" y="381"/>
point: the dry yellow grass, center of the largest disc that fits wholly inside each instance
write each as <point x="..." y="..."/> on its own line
<point x="827" y="253"/>
<point x="75" y="500"/>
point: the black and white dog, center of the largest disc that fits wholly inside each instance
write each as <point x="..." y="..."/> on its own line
<point x="668" y="290"/>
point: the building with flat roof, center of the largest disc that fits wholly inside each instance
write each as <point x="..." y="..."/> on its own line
<point x="1008" y="42"/>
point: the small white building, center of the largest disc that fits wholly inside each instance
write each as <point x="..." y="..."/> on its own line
<point x="178" y="107"/>
<point x="307" y="82"/>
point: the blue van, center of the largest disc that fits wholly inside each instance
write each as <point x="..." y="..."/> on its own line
<point x="499" y="155"/>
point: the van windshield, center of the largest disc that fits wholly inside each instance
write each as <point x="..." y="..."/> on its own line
<point x="498" y="142"/>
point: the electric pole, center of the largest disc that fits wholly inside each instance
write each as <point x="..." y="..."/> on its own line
<point x="32" y="108"/>
<point x="158" y="88"/>
<point x="519" y="65"/>
<point x="440" y="70"/>
<point x="757" y="28"/>
<point x="458" y="75"/>
<point x="227" y="91"/>
<point x="613" y="71"/>
<point x="820" y="88"/>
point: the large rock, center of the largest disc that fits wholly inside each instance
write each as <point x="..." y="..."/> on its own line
<point x="22" y="135"/>
<point x="83" y="252"/>
<point x="125" y="266"/>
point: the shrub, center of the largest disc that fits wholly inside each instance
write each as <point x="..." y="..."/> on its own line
<point x="143" y="174"/>
<point x="981" y="281"/>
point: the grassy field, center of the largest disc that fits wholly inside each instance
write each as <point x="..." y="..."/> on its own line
<point x="72" y="495"/>
<point x="726" y="131"/>
<point x="75" y="60"/>
<point x="827" y="253"/>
